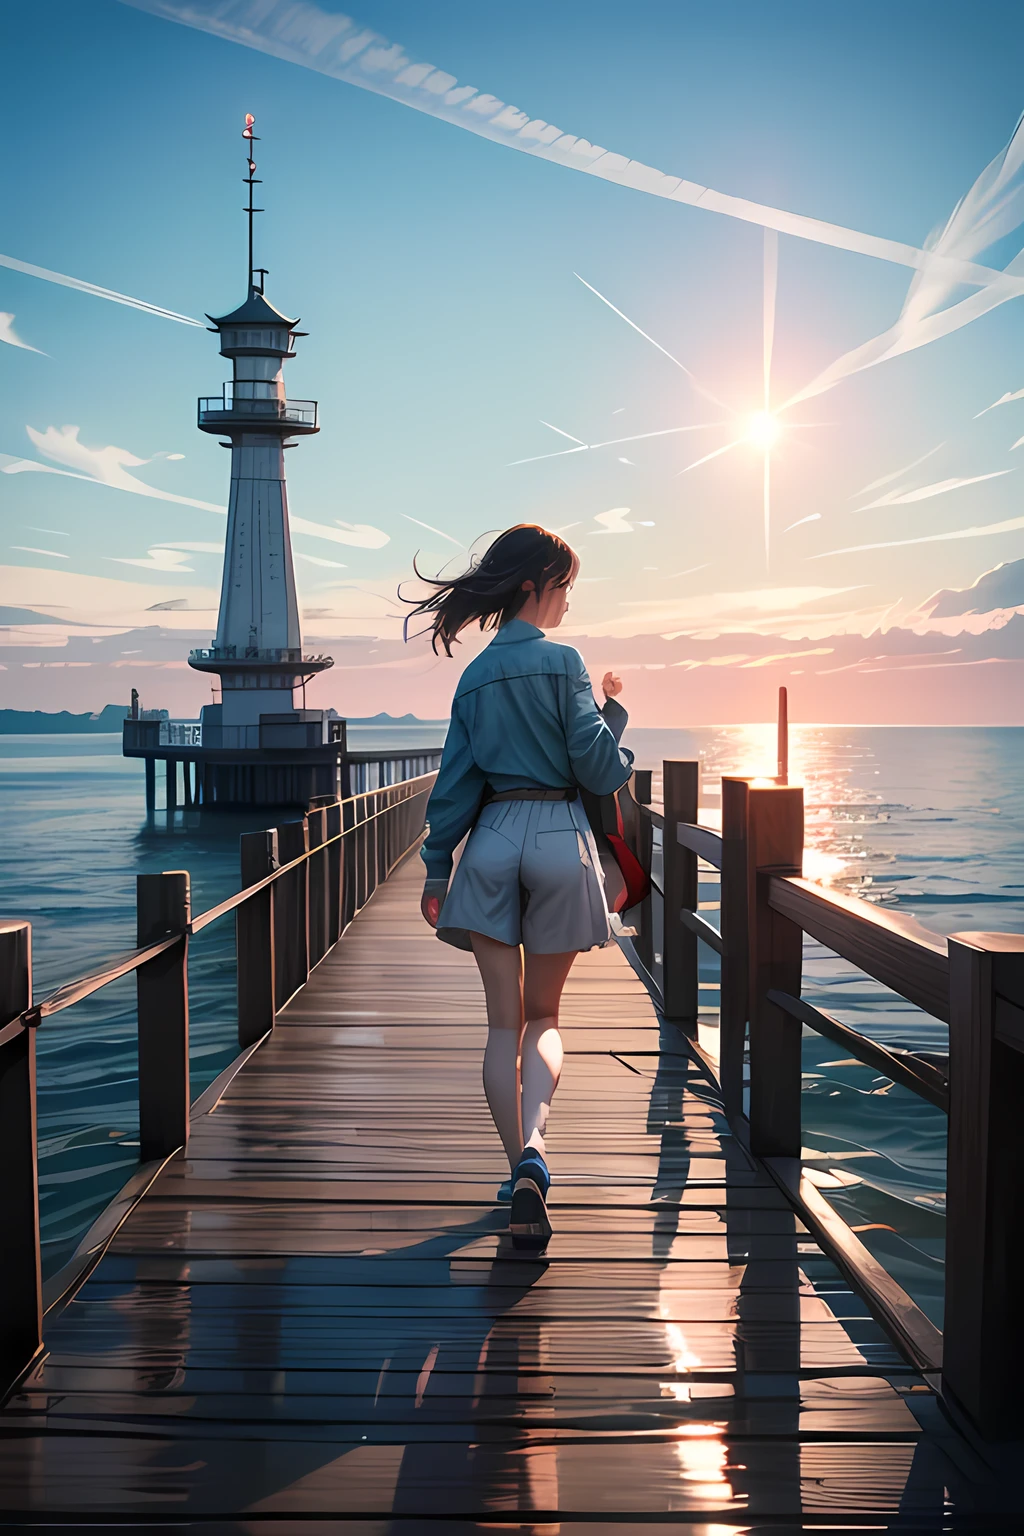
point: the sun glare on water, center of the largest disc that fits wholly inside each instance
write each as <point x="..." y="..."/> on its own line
<point x="763" y="430"/>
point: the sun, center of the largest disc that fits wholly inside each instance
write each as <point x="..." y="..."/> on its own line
<point x="763" y="430"/>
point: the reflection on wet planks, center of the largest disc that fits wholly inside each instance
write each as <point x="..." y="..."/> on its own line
<point x="317" y="1313"/>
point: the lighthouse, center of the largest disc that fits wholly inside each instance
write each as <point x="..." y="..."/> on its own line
<point x="257" y="649"/>
<point x="260" y="745"/>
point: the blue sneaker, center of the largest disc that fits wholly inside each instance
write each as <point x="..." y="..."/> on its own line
<point x="504" y="1195"/>
<point x="528" y="1219"/>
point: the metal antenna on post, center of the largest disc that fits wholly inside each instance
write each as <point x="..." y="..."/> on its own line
<point x="252" y="181"/>
<point x="783" y="765"/>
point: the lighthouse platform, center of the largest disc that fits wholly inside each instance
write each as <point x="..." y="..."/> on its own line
<point x="294" y="759"/>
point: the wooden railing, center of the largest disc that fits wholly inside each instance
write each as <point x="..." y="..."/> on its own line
<point x="974" y="982"/>
<point x="303" y="882"/>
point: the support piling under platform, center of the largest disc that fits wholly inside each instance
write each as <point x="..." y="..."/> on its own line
<point x="315" y="1314"/>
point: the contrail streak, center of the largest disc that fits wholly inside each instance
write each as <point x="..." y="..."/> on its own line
<point x="340" y="47"/>
<point x="926" y="492"/>
<point x="698" y="386"/>
<point x="583" y="448"/>
<point x="613" y="442"/>
<point x="771" y="283"/>
<point x="717" y="453"/>
<point x="97" y="292"/>
<point x="563" y="434"/>
<point x="439" y="531"/>
<point x="1010" y="526"/>
<point x="813" y="518"/>
<point x="767" y="510"/>
<point x="876" y="485"/>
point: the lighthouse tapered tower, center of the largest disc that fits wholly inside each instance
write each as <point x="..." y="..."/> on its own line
<point x="257" y="650"/>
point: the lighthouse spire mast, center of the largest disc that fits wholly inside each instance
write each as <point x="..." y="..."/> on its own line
<point x="252" y="180"/>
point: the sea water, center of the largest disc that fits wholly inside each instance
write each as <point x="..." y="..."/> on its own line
<point x="925" y="821"/>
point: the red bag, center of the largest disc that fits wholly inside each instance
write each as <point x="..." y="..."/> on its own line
<point x="626" y="880"/>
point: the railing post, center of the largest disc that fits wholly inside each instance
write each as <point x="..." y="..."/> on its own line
<point x="291" y="913"/>
<point x="734" y="994"/>
<point x="373" y="841"/>
<point x="349" y="862"/>
<point x="254" y="940"/>
<point x="983" y="1327"/>
<point x="163" y="907"/>
<point x="318" y="898"/>
<point x="644" y="847"/>
<point x="679" y="946"/>
<point x="775" y="841"/>
<point x="21" y="1295"/>
<point x="332" y="821"/>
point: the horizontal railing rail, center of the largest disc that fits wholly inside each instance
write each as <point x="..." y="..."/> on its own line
<point x="302" y="884"/>
<point x="903" y="1067"/>
<point x="973" y="982"/>
<point x="892" y="948"/>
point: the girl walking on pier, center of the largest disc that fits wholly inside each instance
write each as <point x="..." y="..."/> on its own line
<point x="528" y="893"/>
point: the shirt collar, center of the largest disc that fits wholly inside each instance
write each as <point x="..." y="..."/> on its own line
<point x="516" y="629"/>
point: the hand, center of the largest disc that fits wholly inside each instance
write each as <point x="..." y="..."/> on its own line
<point x="431" y="901"/>
<point x="612" y="685"/>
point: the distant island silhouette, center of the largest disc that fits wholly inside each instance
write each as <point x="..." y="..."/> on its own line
<point x="39" y="722"/>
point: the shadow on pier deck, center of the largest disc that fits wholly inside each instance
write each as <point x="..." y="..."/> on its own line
<point x="313" y="1320"/>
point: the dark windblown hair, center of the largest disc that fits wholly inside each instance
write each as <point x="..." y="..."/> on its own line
<point x="491" y="591"/>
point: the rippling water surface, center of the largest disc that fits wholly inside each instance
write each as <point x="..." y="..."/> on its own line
<point x="930" y="821"/>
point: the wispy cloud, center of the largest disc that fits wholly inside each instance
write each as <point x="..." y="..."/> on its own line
<point x="109" y="466"/>
<point x="30" y="549"/>
<point x="992" y="209"/>
<point x="1018" y="394"/>
<point x="100" y="293"/>
<point x="359" y="535"/>
<point x="192" y="546"/>
<point x="344" y="49"/>
<point x="338" y="565"/>
<point x="900" y="497"/>
<point x="691" y="570"/>
<point x="714" y="611"/>
<point x="170" y="561"/>
<point x="812" y="517"/>
<point x="895" y="474"/>
<point x="10" y="335"/>
<point x="1012" y="525"/>
<point x="616" y="520"/>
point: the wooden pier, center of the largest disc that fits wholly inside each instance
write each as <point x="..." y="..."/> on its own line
<point x="304" y="1313"/>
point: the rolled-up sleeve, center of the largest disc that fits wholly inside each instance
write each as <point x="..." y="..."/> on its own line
<point x="598" y="762"/>
<point x="454" y="800"/>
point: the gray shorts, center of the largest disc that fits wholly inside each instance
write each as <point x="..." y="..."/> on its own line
<point x="529" y="874"/>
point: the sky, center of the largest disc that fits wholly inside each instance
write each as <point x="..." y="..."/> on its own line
<point x="468" y="306"/>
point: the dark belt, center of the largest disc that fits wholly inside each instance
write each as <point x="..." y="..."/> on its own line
<point x="491" y="795"/>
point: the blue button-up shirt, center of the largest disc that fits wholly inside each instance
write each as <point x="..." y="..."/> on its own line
<point x="523" y="716"/>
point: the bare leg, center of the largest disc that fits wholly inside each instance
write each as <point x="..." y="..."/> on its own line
<point x="545" y="977"/>
<point x="501" y="971"/>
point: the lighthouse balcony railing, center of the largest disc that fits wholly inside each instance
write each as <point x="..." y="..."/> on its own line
<point x="217" y="410"/>
<point x="181" y="733"/>
<point x="271" y="654"/>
